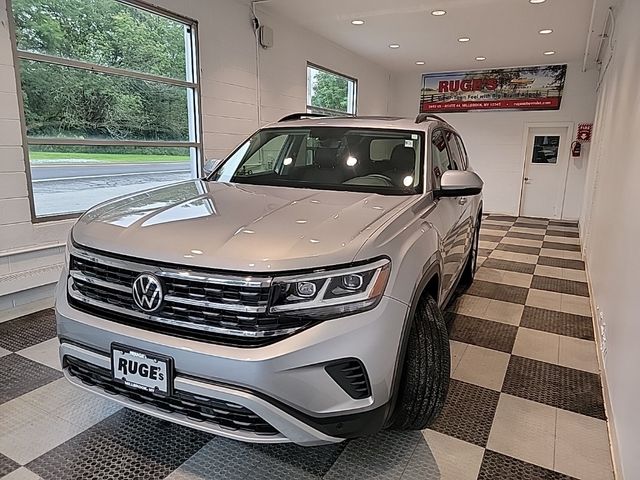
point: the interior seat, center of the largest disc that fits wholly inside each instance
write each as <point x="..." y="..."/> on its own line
<point x="403" y="163"/>
<point x="325" y="169"/>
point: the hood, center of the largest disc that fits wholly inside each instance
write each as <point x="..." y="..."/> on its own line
<point x="237" y="227"/>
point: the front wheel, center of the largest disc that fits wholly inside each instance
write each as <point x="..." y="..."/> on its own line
<point x="425" y="376"/>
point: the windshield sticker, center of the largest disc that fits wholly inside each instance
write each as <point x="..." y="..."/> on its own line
<point x="414" y="136"/>
<point x="408" y="143"/>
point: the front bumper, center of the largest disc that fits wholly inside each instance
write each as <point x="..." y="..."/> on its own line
<point x="285" y="383"/>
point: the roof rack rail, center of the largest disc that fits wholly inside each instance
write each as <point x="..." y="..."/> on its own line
<point x="300" y="116"/>
<point x="423" y="117"/>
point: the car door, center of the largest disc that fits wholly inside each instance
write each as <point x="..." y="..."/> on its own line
<point x="448" y="210"/>
<point x="465" y="222"/>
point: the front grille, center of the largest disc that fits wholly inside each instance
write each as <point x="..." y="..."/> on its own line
<point x="218" y="308"/>
<point x="226" y="415"/>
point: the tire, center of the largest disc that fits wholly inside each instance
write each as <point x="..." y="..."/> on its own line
<point x="425" y="376"/>
<point x="471" y="265"/>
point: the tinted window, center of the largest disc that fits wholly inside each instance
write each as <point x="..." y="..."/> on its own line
<point x="440" y="156"/>
<point x="463" y="152"/>
<point x="454" y="151"/>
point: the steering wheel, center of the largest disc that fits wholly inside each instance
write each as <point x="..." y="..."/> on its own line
<point x="384" y="178"/>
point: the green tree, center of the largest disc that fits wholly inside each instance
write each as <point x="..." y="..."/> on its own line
<point x="68" y="102"/>
<point x="330" y="91"/>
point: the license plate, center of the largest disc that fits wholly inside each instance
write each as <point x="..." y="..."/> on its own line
<point x="141" y="370"/>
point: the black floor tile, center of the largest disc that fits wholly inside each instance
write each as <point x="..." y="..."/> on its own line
<point x="508" y="247"/>
<point x="498" y="291"/>
<point x="552" y="284"/>
<point x="502" y="218"/>
<point x="496" y="226"/>
<point x="524" y="236"/>
<point x="496" y="466"/>
<point x="483" y="333"/>
<point x="490" y="238"/>
<point x="520" y="267"/>
<point x="563" y="223"/>
<point x="561" y="246"/>
<point x="568" y="324"/>
<point x="561" y="262"/>
<point x="127" y="445"/>
<point x="19" y="375"/>
<point x="559" y="233"/>
<point x="468" y="413"/>
<point x="225" y="459"/>
<point x="554" y="385"/>
<point x="7" y="465"/>
<point x="29" y="330"/>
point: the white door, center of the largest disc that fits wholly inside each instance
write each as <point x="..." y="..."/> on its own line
<point x="545" y="172"/>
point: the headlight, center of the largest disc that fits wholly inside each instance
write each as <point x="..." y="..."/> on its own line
<point x="333" y="292"/>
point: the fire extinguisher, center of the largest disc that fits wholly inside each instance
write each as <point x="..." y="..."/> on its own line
<point x="576" y="149"/>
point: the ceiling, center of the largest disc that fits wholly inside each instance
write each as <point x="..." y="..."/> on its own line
<point x="503" y="31"/>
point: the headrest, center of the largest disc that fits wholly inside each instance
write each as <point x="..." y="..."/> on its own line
<point x="325" y="157"/>
<point x="403" y="159"/>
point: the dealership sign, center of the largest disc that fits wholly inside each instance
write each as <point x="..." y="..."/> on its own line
<point x="521" y="88"/>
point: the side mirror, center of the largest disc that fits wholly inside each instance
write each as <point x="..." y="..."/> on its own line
<point x="459" y="183"/>
<point x="209" y="167"/>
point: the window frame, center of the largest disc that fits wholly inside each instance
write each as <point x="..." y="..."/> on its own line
<point x="330" y="111"/>
<point x="191" y="82"/>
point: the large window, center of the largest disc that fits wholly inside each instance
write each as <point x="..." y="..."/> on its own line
<point x="330" y="93"/>
<point x="109" y="97"/>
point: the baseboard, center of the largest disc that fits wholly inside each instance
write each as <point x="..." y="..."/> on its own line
<point x="613" y="437"/>
<point x="26" y="309"/>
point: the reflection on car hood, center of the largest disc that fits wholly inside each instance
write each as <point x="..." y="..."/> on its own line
<point x="237" y="227"/>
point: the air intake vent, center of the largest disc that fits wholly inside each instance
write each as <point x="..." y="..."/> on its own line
<point x="351" y="376"/>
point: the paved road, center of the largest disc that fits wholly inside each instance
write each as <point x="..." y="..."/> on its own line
<point x="65" y="172"/>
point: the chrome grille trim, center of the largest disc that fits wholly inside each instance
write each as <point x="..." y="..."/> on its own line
<point x="219" y="306"/>
<point x="73" y="293"/>
<point x="187" y="275"/>
<point x="100" y="283"/>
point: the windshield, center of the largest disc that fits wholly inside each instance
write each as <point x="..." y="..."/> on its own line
<point x="388" y="162"/>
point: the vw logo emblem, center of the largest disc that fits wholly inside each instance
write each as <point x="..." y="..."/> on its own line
<point x="147" y="292"/>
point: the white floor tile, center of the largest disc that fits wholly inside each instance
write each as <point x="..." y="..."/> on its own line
<point x="45" y="353"/>
<point x="457" y="460"/>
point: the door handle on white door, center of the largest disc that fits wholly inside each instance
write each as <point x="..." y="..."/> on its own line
<point x="462" y="200"/>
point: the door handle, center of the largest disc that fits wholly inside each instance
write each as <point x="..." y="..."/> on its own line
<point x="462" y="200"/>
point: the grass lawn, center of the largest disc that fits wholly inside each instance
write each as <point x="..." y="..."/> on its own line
<point x="73" y="157"/>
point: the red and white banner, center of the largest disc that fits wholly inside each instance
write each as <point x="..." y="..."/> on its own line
<point x="522" y="88"/>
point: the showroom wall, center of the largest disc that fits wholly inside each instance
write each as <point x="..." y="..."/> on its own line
<point x="495" y="139"/>
<point x="31" y="255"/>
<point x="610" y="228"/>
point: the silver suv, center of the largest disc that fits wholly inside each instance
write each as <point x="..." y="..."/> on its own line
<point x="292" y="294"/>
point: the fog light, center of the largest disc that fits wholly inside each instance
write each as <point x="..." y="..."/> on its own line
<point x="306" y="289"/>
<point x="352" y="281"/>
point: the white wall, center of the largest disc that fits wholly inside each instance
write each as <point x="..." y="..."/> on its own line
<point x="495" y="139"/>
<point x="611" y="231"/>
<point x="229" y="114"/>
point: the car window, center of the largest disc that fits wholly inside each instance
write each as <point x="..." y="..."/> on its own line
<point x="463" y="152"/>
<point x="454" y="151"/>
<point x="330" y="158"/>
<point x="440" y="155"/>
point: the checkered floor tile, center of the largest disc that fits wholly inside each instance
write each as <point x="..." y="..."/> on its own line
<point x="525" y="400"/>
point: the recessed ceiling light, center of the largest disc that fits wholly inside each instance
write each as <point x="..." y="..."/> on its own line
<point x="481" y="59"/>
<point x="550" y="52"/>
<point x="438" y="13"/>
<point x="357" y="22"/>
<point x="464" y="39"/>
<point x="537" y="1"/>
<point x="394" y="45"/>
<point x="545" y="31"/>
<point x="420" y="62"/>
